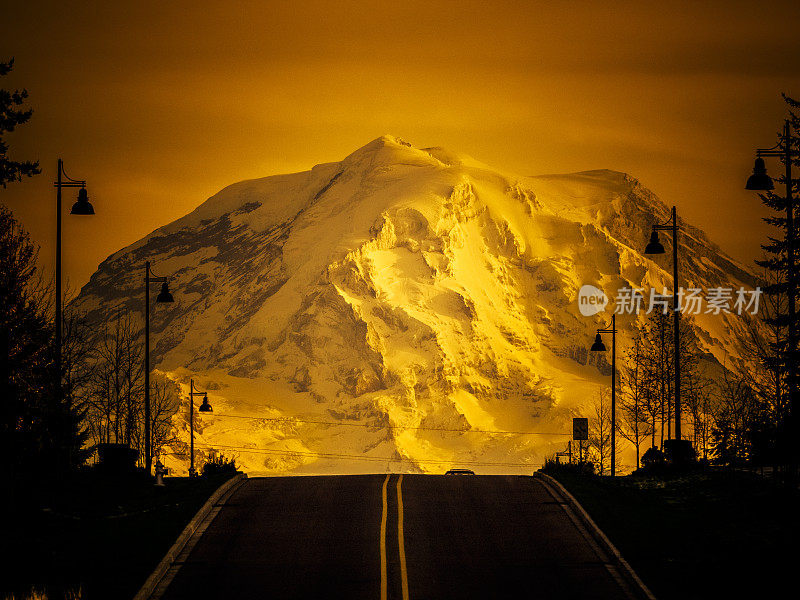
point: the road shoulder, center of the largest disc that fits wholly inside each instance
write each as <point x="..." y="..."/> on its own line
<point x="166" y="570"/>
<point x="624" y="571"/>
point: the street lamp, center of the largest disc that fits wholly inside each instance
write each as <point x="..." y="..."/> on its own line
<point x="81" y="207"/>
<point x="655" y="247"/>
<point x="163" y="296"/>
<point x="599" y="346"/>
<point x="760" y="181"/>
<point x="204" y="407"/>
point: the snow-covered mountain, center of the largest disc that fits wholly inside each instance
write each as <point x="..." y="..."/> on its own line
<point x="399" y="305"/>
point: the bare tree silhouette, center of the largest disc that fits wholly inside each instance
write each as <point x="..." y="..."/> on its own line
<point x="634" y="422"/>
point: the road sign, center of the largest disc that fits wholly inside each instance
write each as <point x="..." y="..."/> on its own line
<point x="580" y="428"/>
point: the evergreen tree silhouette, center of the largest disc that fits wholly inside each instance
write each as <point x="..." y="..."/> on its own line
<point x="11" y="115"/>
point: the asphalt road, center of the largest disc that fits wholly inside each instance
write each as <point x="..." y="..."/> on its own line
<point x="383" y="537"/>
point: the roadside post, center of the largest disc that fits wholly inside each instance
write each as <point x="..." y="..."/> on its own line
<point x="161" y="470"/>
<point x="580" y="433"/>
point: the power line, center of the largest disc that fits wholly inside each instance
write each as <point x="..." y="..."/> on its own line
<point x="292" y="420"/>
<point x="360" y="457"/>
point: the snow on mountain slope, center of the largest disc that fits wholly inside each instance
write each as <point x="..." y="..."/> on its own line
<point x="393" y="309"/>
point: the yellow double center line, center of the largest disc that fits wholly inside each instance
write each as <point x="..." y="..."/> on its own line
<point x="400" y="539"/>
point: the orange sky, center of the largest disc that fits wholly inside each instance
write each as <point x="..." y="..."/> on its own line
<point x="160" y="104"/>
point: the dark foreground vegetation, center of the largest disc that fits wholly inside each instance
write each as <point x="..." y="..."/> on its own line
<point x="706" y="534"/>
<point x="95" y="536"/>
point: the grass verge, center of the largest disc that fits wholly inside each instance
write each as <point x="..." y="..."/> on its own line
<point x="704" y="535"/>
<point x="93" y="537"/>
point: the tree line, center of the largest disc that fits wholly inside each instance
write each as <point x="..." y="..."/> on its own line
<point x="732" y="413"/>
<point x="49" y="419"/>
<point x="101" y="379"/>
<point x="740" y="413"/>
<point x="645" y="396"/>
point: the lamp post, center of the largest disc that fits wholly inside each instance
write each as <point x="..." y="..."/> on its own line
<point x="81" y="207"/>
<point x="760" y="181"/>
<point x="599" y="346"/>
<point x="163" y="296"/>
<point x="655" y="247"/>
<point x="204" y="407"/>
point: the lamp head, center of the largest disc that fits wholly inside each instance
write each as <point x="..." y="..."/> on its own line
<point x="654" y="246"/>
<point x="164" y="295"/>
<point x="205" y="406"/>
<point x="598" y="345"/>
<point x="82" y="206"/>
<point x="759" y="180"/>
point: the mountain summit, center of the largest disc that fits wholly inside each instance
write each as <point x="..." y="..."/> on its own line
<point x="403" y="304"/>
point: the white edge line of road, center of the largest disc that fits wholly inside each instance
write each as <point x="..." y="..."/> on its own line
<point x="598" y="533"/>
<point x="150" y="586"/>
